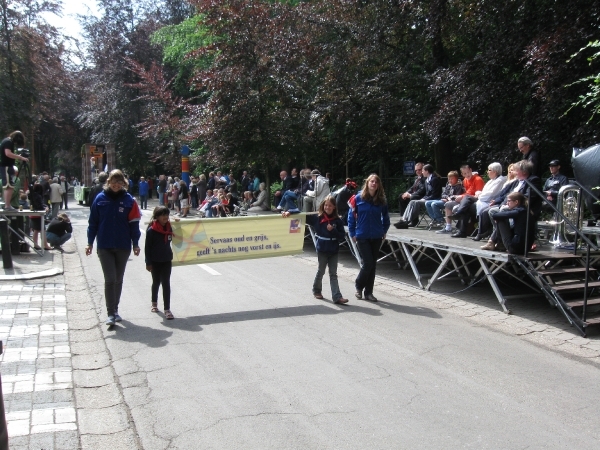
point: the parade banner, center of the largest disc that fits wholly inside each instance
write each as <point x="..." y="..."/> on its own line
<point x="228" y="239"/>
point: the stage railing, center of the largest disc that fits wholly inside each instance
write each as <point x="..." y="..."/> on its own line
<point x="578" y="235"/>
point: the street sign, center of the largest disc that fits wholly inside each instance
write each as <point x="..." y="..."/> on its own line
<point x="409" y="168"/>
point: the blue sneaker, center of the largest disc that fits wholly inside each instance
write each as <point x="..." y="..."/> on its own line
<point x="110" y="321"/>
<point x="117" y="317"/>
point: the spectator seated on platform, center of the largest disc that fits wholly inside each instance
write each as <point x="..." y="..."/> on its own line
<point x="318" y="193"/>
<point x="484" y="228"/>
<point x="435" y="208"/>
<point x="491" y="189"/>
<point x="246" y="201"/>
<point x="472" y="183"/>
<point x="433" y="191"/>
<point x="289" y="196"/>
<point x="416" y="191"/>
<point x="262" y="201"/>
<point x="341" y="199"/>
<point x="286" y="185"/>
<point x="218" y="206"/>
<point x="524" y="169"/>
<point x="233" y="204"/>
<point x="208" y="201"/>
<point x="59" y="231"/>
<point x="553" y="184"/>
<point x="511" y="223"/>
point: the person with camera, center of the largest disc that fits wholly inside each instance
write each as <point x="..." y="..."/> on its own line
<point x="59" y="231"/>
<point x="7" y="162"/>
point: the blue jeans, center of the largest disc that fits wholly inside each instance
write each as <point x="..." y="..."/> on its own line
<point x="288" y="200"/>
<point x="331" y="261"/>
<point x="161" y="198"/>
<point x="209" y="210"/>
<point x="54" y="239"/>
<point x="435" y="209"/>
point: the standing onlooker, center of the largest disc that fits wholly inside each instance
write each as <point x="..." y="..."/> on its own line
<point x="158" y="255"/>
<point x="65" y="186"/>
<point x="45" y="182"/>
<point x="184" y="198"/>
<point x="150" y="182"/>
<point x="59" y="231"/>
<point x="97" y="188"/>
<point x="525" y="146"/>
<point x="368" y="223"/>
<point x="37" y="204"/>
<point x="162" y="189"/>
<point x="233" y="186"/>
<point x="144" y="188"/>
<point x="194" y="192"/>
<point x="114" y="222"/>
<point x="55" y="197"/>
<point x="7" y="162"/>
<point x="245" y="181"/>
<point x="329" y="230"/>
<point x="201" y="189"/>
<point x="255" y="183"/>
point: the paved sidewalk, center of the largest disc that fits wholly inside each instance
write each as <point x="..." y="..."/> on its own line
<point x="36" y="366"/>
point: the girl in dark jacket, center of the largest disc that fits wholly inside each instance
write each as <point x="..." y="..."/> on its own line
<point x="158" y="254"/>
<point x="512" y="224"/>
<point x="329" y="230"/>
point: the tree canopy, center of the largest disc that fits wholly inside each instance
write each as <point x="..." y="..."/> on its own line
<point x="349" y="86"/>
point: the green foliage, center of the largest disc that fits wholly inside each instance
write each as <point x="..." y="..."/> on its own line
<point x="179" y="41"/>
<point x="591" y="98"/>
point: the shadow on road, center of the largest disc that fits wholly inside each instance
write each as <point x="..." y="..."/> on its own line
<point x="130" y="332"/>
<point x="413" y="310"/>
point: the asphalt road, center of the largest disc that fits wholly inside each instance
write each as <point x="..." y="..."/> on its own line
<point x="252" y="360"/>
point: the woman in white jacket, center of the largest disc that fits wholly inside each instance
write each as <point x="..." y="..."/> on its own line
<point x="320" y="190"/>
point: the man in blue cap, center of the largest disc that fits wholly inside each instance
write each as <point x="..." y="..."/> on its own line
<point x="553" y="184"/>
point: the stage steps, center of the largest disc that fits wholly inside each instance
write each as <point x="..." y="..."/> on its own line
<point x="563" y="285"/>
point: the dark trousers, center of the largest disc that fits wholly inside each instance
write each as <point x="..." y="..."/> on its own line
<point x="143" y="201"/>
<point x="402" y="204"/>
<point x="485" y="223"/>
<point x="369" y="251"/>
<point x="507" y="236"/>
<point x="65" y="200"/>
<point x="161" y="275"/>
<point x="113" y="262"/>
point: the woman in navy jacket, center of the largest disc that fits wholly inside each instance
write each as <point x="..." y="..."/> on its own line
<point x="115" y="223"/>
<point x="368" y="223"/>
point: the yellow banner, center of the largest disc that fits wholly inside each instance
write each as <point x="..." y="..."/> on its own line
<point x="228" y="239"/>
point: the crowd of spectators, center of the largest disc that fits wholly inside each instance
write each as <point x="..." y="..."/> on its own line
<point x="491" y="205"/>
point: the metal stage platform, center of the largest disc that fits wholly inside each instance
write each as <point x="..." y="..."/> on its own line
<point x="420" y="249"/>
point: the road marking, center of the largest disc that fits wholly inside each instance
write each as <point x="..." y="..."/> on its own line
<point x="209" y="269"/>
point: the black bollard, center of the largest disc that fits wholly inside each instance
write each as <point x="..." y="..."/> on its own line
<point x="5" y="243"/>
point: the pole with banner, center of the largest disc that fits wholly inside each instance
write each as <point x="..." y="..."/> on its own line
<point x="185" y="164"/>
